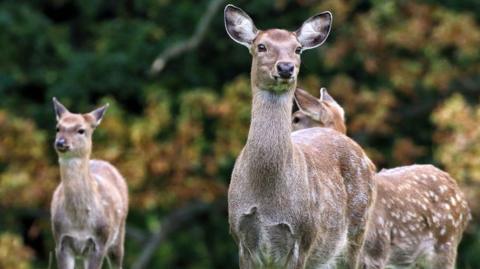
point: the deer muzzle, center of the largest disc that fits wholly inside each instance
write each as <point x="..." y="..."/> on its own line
<point x="61" y="145"/>
<point x="285" y="69"/>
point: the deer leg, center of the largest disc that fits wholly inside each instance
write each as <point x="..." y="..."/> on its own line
<point x="298" y="256"/>
<point x="116" y="256"/>
<point x="300" y="263"/>
<point x="355" y="247"/>
<point x="245" y="261"/>
<point x="64" y="255"/>
<point x="117" y="250"/>
<point x="376" y="250"/>
<point x="444" y="259"/>
<point x="65" y="259"/>
<point x="94" y="259"/>
<point x="374" y="264"/>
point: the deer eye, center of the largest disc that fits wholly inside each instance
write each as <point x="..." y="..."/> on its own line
<point x="298" y="50"/>
<point x="58" y="129"/>
<point x="261" y="48"/>
<point x="296" y="119"/>
<point x="81" y="131"/>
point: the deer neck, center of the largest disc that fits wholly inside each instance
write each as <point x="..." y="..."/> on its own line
<point x="78" y="186"/>
<point x="269" y="146"/>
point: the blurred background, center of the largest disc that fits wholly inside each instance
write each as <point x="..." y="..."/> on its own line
<point x="406" y="72"/>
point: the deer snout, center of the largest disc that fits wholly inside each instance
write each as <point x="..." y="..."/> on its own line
<point x="61" y="145"/>
<point x="285" y="69"/>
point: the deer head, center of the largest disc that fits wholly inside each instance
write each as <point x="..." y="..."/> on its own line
<point x="276" y="52"/>
<point x="74" y="131"/>
<point x="313" y="112"/>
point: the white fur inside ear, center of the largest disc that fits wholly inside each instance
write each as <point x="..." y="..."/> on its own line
<point x="59" y="109"/>
<point x="315" y="30"/>
<point x="326" y="97"/>
<point x="312" y="115"/>
<point x="98" y="114"/>
<point x="322" y="91"/>
<point x="240" y="26"/>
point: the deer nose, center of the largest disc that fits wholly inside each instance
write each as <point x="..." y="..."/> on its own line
<point x="61" y="145"/>
<point x="285" y="69"/>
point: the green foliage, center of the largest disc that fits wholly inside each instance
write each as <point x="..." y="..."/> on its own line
<point x="458" y="149"/>
<point x="13" y="253"/>
<point x="406" y="72"/>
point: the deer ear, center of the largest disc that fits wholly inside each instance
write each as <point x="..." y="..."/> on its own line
<point x="326" y="97"/>
<point x="314" y="31"/>
<point x="59" y="109"/>
<point x="308" y="104"/>
<point x="97" y="115"/>
<point x="239" y="25"/>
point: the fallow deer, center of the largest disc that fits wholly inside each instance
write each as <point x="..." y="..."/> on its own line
<point x="325" y="112"/>
<point x="90" y="205"/>
<point x="419" y="214"/>
<point x="294" y="200"/>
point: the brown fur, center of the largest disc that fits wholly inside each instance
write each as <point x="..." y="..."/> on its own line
<point x="294" y="199"/>
<point x="313" y="112"/>
<point x="420" y="212"/>
<point x="90" y="206"/>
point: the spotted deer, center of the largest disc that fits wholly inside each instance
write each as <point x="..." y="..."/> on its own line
<point x="324" y="112"/>
<point x="89" y="207"/>
<point x="295" y="200"/>
<point x="420" y="213"/>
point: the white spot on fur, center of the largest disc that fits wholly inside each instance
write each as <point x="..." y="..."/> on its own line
<point x="380" y="221"/>
<point x="452" y="201"/>
<point x="443" y="188"/>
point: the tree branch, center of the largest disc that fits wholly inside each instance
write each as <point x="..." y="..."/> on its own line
<point x="171" y="223"/>
<point x="136" y="234"/>
<point x="189" y="44"/>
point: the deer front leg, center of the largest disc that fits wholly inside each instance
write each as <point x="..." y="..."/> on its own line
<point x="300" y="262"/>
<point x="65" y="259"/>
<point x="94" y="259"/>
<point x="117" y="250"/>
<point x="360" y="213"/>
<point x="297" y="257"/>
<point x="376" y="251"/>
<point x="444" y="259"/>
<point x="63" y="253"/>
<point x="97" y="249"/>
<point x="355" y="247"/>
<point x="245" y="260"/>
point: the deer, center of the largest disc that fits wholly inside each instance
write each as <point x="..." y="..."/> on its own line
<point x="420" y="213"/>
<point x="324" y="112"/>
<point x="295" y="200"/>
<point x="90" y="205"/>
